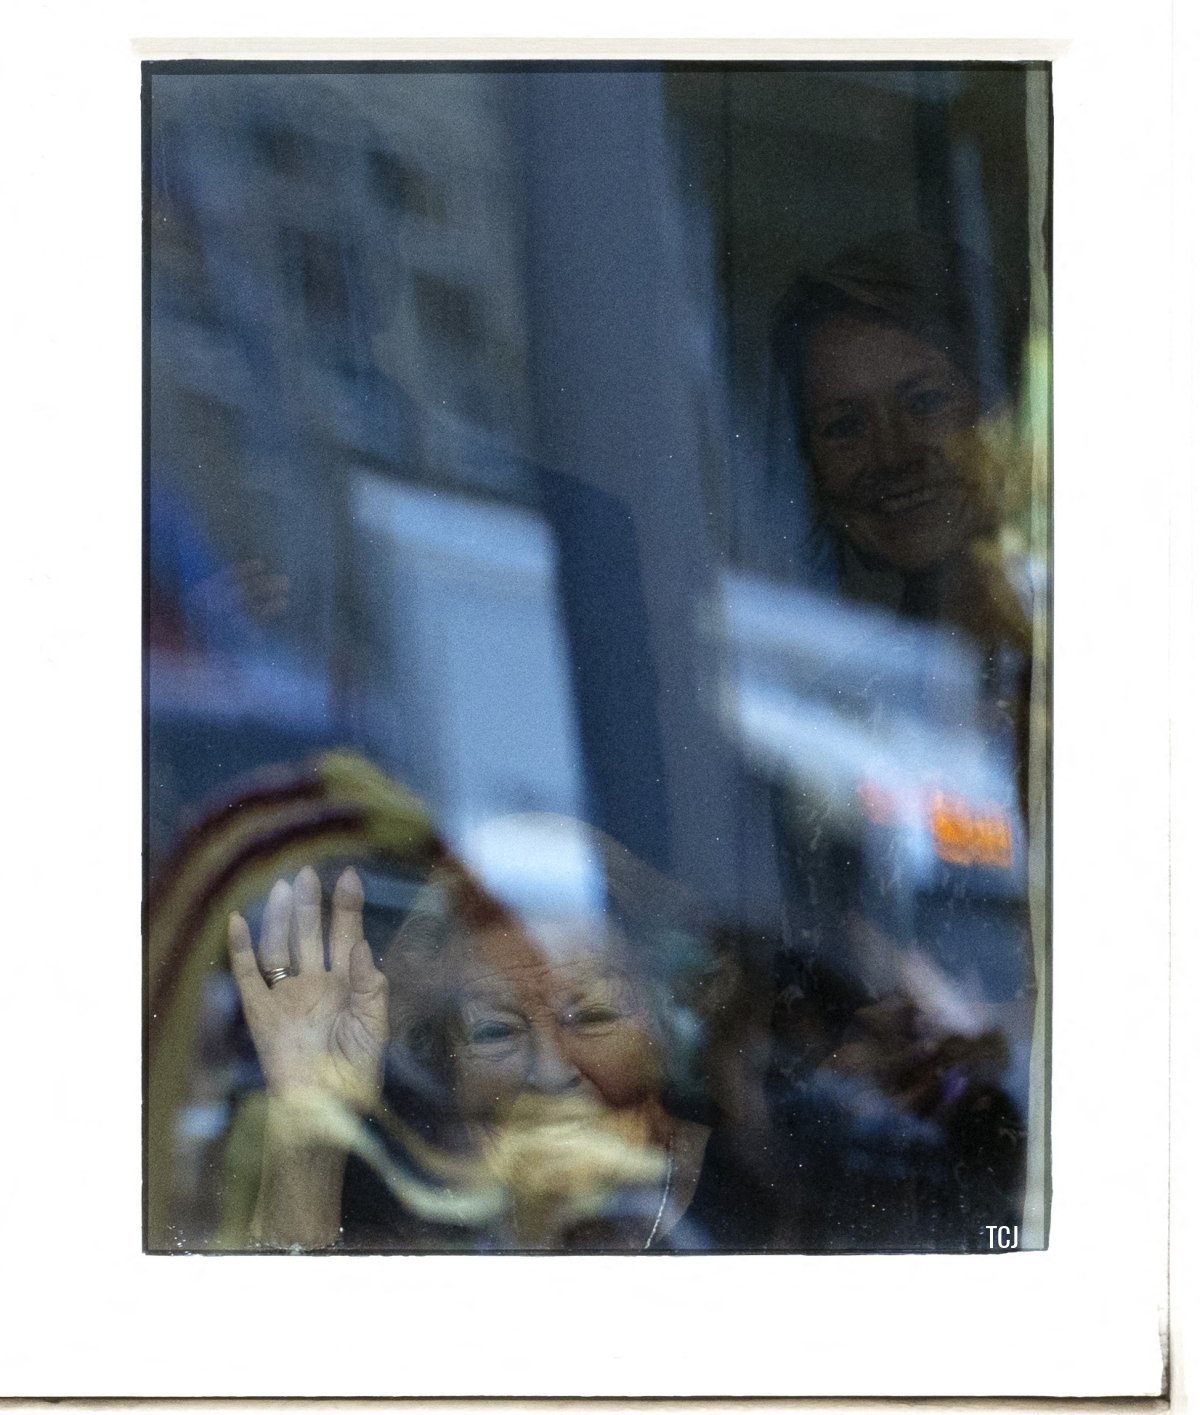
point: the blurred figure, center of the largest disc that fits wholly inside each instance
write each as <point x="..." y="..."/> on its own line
<point x="198" y="602"/>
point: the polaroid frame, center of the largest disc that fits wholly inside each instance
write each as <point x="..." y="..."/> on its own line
<point x="1085" y="1318"/>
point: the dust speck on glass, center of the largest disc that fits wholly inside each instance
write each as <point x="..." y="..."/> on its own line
<point x="596" y="641"/>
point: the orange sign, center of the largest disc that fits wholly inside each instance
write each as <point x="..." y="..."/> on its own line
<point x="967" y="835"/>
<point x="963" y="833"/>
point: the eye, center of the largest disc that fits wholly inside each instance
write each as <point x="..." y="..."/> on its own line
<point x="593" y="1017"/>
<point x="930" y="402"/>
<point x="843" y="427"/>
<point x="492" y="1031"/>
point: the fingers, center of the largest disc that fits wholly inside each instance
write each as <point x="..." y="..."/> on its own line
<point x="273" y="951"/>
<point x="292" y="935"/>
<point x="368" y="989"/>
<point x="364" y="976"/>
<point x="345" y="926"/>
<point x="242" y="962"/>
<point x="309" y="953"/>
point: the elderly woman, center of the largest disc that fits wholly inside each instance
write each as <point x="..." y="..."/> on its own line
<point x="551" y="1039"/>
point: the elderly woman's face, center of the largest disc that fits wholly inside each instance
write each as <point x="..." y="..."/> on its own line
<point x="890" y="422"/>
<point x="553" y="1018"/>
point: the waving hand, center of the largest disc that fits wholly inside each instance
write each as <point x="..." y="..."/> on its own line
<point x="318" y="1026"/>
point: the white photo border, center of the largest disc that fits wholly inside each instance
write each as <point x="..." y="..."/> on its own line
<point x="98" y="1318"/>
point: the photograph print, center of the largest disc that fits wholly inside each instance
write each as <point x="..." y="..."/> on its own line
<point x="596" y="657"/>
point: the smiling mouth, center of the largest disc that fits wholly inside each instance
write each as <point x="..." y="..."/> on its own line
<point x="899" y="503"/>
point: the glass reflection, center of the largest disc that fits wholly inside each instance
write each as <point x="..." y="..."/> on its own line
<point x="596" y="657"/>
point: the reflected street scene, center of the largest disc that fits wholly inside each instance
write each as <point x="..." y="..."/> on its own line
<point x="597" y="586"/>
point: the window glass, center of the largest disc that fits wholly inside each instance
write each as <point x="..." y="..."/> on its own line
<point x="597" y="580"/>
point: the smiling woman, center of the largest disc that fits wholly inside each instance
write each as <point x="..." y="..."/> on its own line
<point x="889" y="416"/>
<point x="546" y="1055"/>
<point x="556" y="1058"/>
<point x="899" y="420"/>
<point x="902" y="386"/>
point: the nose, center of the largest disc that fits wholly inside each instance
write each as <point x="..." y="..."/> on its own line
<point x="551" y="1070"/>
<point x="894" y="442"/>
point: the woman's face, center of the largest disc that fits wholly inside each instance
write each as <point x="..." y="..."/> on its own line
<point x="891" y="422"/>
<point x="554" y="1017"/>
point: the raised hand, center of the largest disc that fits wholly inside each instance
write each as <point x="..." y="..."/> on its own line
<point x="320" y="1029"/>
